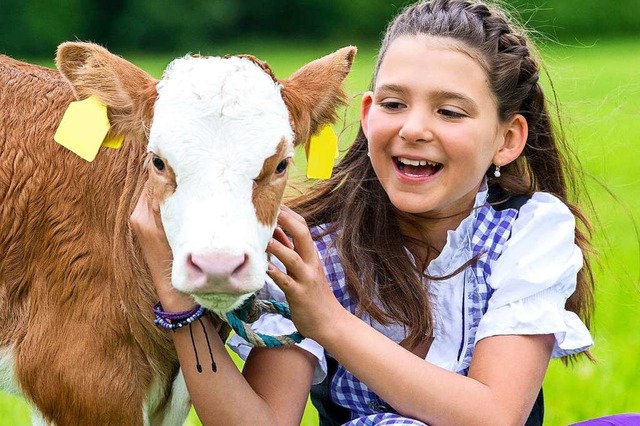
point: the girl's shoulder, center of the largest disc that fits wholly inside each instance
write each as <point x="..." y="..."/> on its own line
<point x="518" y="213"/>
<point x="534" y="230"/>
<point x="545" y="212"/>
<point x="497" y="201"/>
<point x="540" y="251"/>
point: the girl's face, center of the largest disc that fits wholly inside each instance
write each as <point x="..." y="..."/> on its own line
<point x="432" y="126"/>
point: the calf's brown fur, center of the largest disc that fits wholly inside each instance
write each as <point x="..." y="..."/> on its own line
<point x="75" y="294"/>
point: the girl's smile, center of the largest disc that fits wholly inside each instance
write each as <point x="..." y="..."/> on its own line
<point x="416" y="170"/>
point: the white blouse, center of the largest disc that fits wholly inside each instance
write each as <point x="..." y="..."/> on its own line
<point x="529" y="284"/>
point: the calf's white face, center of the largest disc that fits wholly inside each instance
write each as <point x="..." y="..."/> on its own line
<point x="221" y="134"/>
<point x="220" y="139"/>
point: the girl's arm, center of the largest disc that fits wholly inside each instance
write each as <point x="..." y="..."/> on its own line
<point x="273" y="390"/>
<point x="504" y="378"/>
<point x="276" y="382"/>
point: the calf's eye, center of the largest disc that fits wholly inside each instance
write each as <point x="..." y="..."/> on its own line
<point x="158" y="163"/>
<point x="282" y="166"/>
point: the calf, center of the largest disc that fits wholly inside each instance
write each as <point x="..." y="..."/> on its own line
<point x="211" y="141"/>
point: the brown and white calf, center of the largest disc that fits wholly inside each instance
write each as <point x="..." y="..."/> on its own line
<point x="77" y="338"/>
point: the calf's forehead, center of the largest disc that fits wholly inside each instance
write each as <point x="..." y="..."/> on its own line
<point x="211" y="108"/>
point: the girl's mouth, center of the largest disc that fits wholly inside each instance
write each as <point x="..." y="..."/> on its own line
<point x="416" y="168"/>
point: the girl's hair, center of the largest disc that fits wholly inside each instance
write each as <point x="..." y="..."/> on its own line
<point x="370" y="243"/>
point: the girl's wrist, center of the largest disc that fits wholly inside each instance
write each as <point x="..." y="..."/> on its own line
<point x="334" y="330"/>
<point x="175" y="301"/>
<point x="169" y="297"/>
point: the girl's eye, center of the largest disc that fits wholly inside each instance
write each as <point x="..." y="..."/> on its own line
<point x="282" y="166"/>
<point x="451" y="114"/>
<point x="158" y="163"/>
<point x="391" y="105"/>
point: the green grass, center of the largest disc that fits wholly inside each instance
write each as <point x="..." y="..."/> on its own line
<point x="599" y="89"/>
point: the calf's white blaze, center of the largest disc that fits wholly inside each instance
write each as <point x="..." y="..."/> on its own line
<point x="216" y="121"/>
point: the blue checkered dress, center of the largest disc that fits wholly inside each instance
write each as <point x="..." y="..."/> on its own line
<point x="490" y="230"/>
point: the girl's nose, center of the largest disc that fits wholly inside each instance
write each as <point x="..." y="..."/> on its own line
<point x="416" y="128"/>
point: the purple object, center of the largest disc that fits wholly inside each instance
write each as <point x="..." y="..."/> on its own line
<point x="175" y="320"/>
<point x="627" y="419"/>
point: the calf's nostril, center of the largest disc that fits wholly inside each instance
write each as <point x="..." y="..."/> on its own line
<point x="192" y="266"/>
<point x="217" y="265"/>
<point x="241" y="267"/>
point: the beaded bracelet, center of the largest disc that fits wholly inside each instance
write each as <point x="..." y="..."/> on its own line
<point x="175" y="320"/>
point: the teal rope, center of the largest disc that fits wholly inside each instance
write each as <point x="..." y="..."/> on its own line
<point x="250" y="311"/>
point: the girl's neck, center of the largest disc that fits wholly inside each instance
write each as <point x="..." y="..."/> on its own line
<point x="426" y="237"/>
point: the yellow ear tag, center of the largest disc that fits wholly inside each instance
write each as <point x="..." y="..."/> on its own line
<point x="321" y="151"/>
<point x="114" y="142"/>
<point x="83" y="127"/>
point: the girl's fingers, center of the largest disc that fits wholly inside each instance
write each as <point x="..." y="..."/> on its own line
<point x="294" y="225"/>
<point x="279" y="235"/>
<point x="146" y="217"/>
<point x="293" y="214"/>
<point x="141" y="205"/>
<point x="154" y="207"/>
<point x="289" y="258"/>
<point x="281" y="279"/>
<point x="141" y="216"/>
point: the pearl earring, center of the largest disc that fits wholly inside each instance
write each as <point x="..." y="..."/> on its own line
<point x="496" y="172"/>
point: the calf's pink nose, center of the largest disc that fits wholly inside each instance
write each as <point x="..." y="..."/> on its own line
<point x="217" y="266"/>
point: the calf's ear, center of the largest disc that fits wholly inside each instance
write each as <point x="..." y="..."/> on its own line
<point x="129" y="92"/>
<point x="314" y="92"/>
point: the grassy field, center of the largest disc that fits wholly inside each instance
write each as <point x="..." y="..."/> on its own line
<point x="598" y="86"/>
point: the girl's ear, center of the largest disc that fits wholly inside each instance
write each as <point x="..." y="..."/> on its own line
<point x="514" y="136"/>
<point x="365" y="107"/>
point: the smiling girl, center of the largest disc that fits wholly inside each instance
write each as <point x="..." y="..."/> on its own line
<point x="445" y="234"/>
<point x="440" y="268"/>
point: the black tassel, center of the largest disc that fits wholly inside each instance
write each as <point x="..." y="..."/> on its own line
<point x="214" y="368"/>
<point x="195" y="351"/>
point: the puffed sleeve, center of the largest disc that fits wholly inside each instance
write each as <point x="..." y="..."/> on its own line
<point x="276" y="325"/>
<point x="534" y="277"/>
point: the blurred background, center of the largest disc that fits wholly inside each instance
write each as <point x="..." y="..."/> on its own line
<point x="592" y="53"/>
<point x="36" y="27"/>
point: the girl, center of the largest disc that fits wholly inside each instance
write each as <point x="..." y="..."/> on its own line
<point x="439" y="269"/>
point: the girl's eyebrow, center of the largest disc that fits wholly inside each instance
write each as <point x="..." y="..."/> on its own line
<point x="445" y="94"/>
<point x="391" y="87"/>
<point x="470" y="105"/>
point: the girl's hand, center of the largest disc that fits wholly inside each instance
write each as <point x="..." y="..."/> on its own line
<point x="147" y="226"/>
<point x="313" y="306"/>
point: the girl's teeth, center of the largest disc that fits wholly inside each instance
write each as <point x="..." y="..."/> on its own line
<point x="416" y="163"/>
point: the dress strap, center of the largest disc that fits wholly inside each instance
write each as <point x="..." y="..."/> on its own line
<point x="329" y="413"/>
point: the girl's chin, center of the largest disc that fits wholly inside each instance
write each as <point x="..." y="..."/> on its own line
<point x="410" y="206"/>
